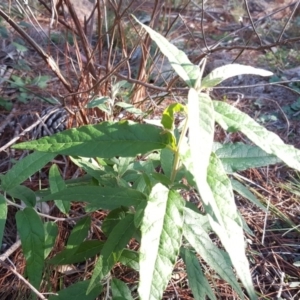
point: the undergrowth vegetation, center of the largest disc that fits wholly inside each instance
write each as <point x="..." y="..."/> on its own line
<point x="137" y="172"/>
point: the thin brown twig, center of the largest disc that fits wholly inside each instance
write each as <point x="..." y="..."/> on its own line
<point x="288" y="21"/>
<point x="251" y="21"/>
<point x="234" y="33"/>
<point x="60" y="20"/>
<point x="47" y="58"/>
<point x="283" y="113"/>
<point x="113" y="73"/>
<point x="83" y="37"/>
<point x="250" y="48"/>
<point x="13" y="270"/>
<point x="202" y="27"/>
<point x="45" y="215"/>
<point x="13" y="140"/>
<point x="10" y="250"/>
<point x="7" y="119"/>
<point x="28" y="129"/>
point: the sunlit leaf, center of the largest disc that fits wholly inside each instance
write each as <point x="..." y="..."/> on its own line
<point x="214" y="186"/>
<point x="104" y="140"/>
<point x="222" y="73"/>
<point x="238" y="157"/>
<point x="162" y="229"/>
<point x="231" y="233"/>
<point x="230" y="117"/>
<point x="189" y="72"/>
<point x="168" y="119"/>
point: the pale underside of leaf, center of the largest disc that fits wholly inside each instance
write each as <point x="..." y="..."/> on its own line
<point x="201" y="133"/>
<point x="231" y="234"/>
<point x="230" y="117"/>
<point x="189" y="72"/>
<point x="201" y="126"/>
<point x="162" y="229"/>
<point x="222" y="73"/>
<point x="238" y="157"/>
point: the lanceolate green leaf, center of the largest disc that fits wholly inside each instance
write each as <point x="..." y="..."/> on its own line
<point x="130" y="258"/>
<point x="167" y="161"/>
<point x="23" y="193"/>
<point x="168" y="119"/>
<point x="25" y="168"/>
<point x="130" y="108"/>
<point x="197" y="281"/>
<point x="222" y="73"/>
<point x="228" y="228"/>
<point x="112" y="248"/>
<point x="231" y="233"/>
<point x="90" y="166"/>
<point x="80" y="253"/>
<point x="79" y="232"/>
<point x="194" y="232"/>
<point x="230" y="117"/>
<point x="77" y="291"/>
<point x="100" y="197"/>
<point x="238" y="157"/>
<point x="222" y="189"/>
<point x="104" y="140"/>
<point x="189" y="72"/>
<point x="51" y="232"/>
<point x="3" y="213"/>
<point x="201" y="127"/>
<point x="112" y="219"/>
<point x="32" y="235"/>
<point x="161" y="230"/>
<point x="244" y="192"/>
<point x="120" y="290"/>
<point x="57" y="184"/>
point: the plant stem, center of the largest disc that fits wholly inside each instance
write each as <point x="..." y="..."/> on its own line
<point x="176" y="163"/>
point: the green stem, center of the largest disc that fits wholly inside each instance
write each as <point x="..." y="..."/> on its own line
<point x="176" y="163"/>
